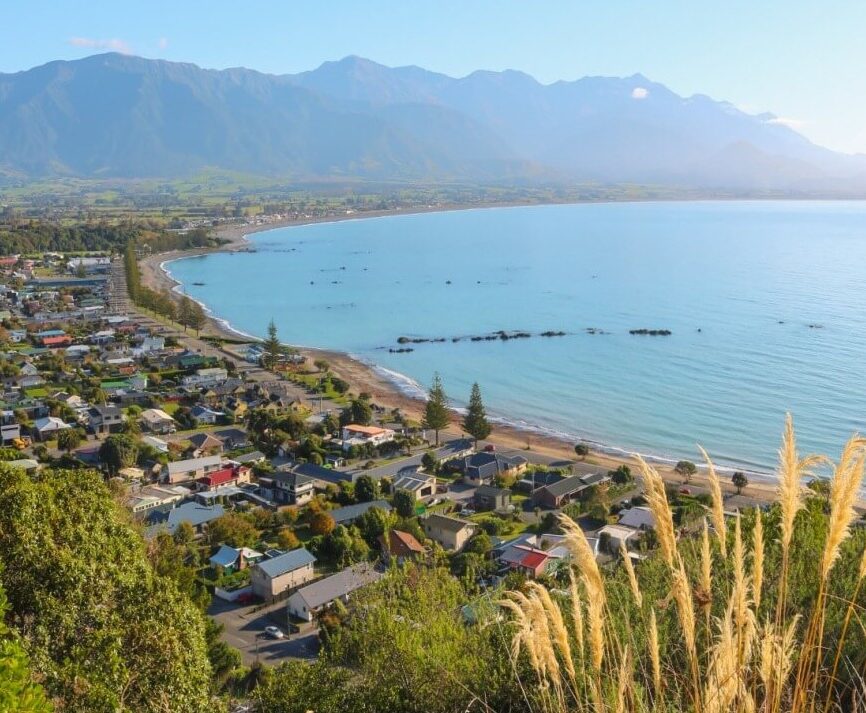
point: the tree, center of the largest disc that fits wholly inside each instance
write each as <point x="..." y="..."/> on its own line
<point x="404" y="503"/>
<point x="287" y="539"/>
<point x="18" y="693"/>
<point x="273" y="349"/>
<point x="111" y="637"/>
<point x="191" y="314"/>
<point x="621" y="476"/>
<point x="68" y="439"/>
<point x="686" y="469"/>
<point x="321" y="523"/>
<point x="374" y="523"/>
<point x="361" y="412"/>
<point x="581" y="450"/>
<point x="740" y="481"/>
<point x="475" y="422"/>
<point x="366" y="489"/>
<point x="118" y="451"/>
<point x="232" y="529"/>
<point x="436" y="410"/>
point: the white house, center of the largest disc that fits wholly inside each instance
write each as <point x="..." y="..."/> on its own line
<point x="272" y="577"/>
<point x="191" y="468"/>
<point x="205" y="377"/>
<point x="49" y="426"/>
<point x="313" y="598"/>
<point x="158" y="421"/>
<point x="356" y="435"/>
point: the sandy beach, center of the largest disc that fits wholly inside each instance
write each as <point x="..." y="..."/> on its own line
<point x="364" y="378"/>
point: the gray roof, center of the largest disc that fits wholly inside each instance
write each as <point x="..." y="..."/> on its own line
<point x="351" y="512"/>
<point x="330" y="588"/>
<point x="445" y="523"/>
<point x="491" y="491"/>
<point x="566" y="486"/>
<point x="286" y="563"/>
<point x="194" y="514"/>
<point x="251" y="457"/>
<point x="225" y="556"/>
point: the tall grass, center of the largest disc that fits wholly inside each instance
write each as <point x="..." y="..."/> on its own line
<point x="725" y="619"/>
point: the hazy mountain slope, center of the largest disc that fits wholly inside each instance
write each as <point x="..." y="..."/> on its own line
<point x="112" y="115"/>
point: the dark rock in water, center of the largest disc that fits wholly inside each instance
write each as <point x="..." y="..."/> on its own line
<point x="651" y="332"/>
<point x="312" y="283"/>
<point x="198" y="284"/>
<point x="447" y="282"/>
<point x="816" y="326"/>
<point x="700" y="330"/>
<point x="401" y="350"/>
<point x="455" y="339"/>
<point x="551" y="333"/>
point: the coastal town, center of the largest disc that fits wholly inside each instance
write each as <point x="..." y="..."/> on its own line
<point x="291" y="490"/>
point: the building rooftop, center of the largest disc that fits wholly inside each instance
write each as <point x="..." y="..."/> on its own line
<point x="287" y="562"/>
<point x="341" y="584"/>
<point x="351" y="512"/>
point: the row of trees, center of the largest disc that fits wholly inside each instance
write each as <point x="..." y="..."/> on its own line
<point x="186" y="312"/>
<point x="437" y="412"/>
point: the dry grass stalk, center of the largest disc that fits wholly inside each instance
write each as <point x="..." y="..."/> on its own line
<point x="654" y="492"/>
<point x="632" y="577"/>
<point x="757" y="559"/>
<point x="717" y="511"/>
<point x="558" y="630"/>
<point x="706" y="563"/>
<point x="685" y="608"/>
<point x="576" y="613"/>
<point x="655" y="653"/>
<point x="584" y="557"/>
<point x="623" y="680"/>
<point x="847" y="478"/>
<point x="792" y="469"/>
<point x="776" y="654"/>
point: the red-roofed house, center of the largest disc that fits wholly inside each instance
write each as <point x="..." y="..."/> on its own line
<point x="63" y="341"/>
<point x="231" y="475"/>
<point x="529" y="560"/>
<point x="400" y="546"/>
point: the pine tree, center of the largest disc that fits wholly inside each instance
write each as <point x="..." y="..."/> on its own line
<point x="436" y="410"/>
<point x="272" y="346"/>
<point x="475" y="423"/>
<point x="197" y="317"/>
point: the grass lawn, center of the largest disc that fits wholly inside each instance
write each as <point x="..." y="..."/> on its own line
<point x="37" y="392"/>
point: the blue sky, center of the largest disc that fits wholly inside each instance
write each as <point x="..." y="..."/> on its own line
<point x="804" y="61"/>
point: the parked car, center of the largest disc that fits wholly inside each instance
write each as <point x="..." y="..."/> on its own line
<point x="273" y="632"/>
<point x="246" y="598"/>
<point x="489" y="448"/>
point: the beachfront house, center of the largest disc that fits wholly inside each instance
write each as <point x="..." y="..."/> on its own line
<point x="356" y="435"/>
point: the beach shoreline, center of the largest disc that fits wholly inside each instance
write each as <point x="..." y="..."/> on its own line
<point x="384" y="391"/>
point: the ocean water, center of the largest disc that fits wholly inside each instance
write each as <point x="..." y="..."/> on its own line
<point x="765" y="301"/>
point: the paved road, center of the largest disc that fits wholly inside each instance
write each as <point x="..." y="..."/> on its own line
<point x="244" y="629"/>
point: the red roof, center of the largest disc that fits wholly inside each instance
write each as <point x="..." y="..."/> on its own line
<point x="404" y="542"/>
<point x="533" y="560"/>
<point x="52" y="341"/>
<point x="218" y="477"/>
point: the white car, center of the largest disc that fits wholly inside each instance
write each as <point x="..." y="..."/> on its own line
<point x="273" y="632"/>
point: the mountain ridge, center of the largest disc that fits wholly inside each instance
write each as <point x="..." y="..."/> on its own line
<point x="113" y="115"/>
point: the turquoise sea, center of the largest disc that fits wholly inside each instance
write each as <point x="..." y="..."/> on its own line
<point x="765" y="301"/>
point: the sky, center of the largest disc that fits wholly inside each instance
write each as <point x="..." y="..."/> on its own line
<point x="803" y="61"/>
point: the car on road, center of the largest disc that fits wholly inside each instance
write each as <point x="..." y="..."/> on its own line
<point x="274" y="632"/>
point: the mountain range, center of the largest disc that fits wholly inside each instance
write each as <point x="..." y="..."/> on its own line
<point x="113" y="115"/>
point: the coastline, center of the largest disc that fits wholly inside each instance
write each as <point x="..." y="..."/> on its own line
<point x="383" y="386"/>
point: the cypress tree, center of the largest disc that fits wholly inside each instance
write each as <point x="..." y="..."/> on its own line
<point x="272" y="346"/>
<point x="436" y="410"/>
<point x="475" y="422"/>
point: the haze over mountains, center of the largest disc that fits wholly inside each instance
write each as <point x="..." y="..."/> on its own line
<point x="114" y="115"/>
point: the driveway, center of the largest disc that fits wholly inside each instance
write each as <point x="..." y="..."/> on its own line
<point x="244" y="629"/>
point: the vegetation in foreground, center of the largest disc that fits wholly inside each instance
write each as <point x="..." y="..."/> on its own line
<point x="760" y="612"/>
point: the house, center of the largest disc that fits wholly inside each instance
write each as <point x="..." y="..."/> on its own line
<point x="47" y="427"/>
<point x="489" y="497"/>
<point x="228" y="559"/>
<point x="205" y="377"/>
<point x="322" y="475"/>
<point x="483" y="467"/>
<point x="539" y="478"/>
<point x="313" y="598"/>
<point x="271" y="578"/>
<point x="155" y="496"/>
<point x="222" y="477"/>
<point x="356" y="435"/>
<point x="531" y="561"/>
<point x="59" y="341"/>
<point x="449" y="532"/>
<point x="103" y="419"/>
<point x="638" y="518"/>
<point x="204" y="415"/>
<point x="611" y="537"/>
<point x="9" y="432"/>
<point x="400" y="546"/>
<point x="190" y="469"/>
<point x="348" y="514"/>
<point x="196" y="514"/>
<point x="235" y="409"/>
<point x="250" y="458"/>
<point x="233" y="438"/>
<point x="201" y="444"/>
<point x="420" y="485"/>
<point x="563" y="491"/>
<point x="155" y="443"/>
<point x="158" y="421"/>
<point x="290" y="488"/>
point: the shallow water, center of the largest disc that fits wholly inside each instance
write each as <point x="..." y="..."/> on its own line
<point x="765" y="302"/>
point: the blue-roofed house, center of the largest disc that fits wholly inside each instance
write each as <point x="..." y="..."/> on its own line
<point x="229" y="559"/>
<point x="271" y="578"/>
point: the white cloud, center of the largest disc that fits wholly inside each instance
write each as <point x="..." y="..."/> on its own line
<point x="639" y="93"/>
<point x="114" y="45"/>
<point x="162" y="43"/>
<point x="791" y="123"/>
